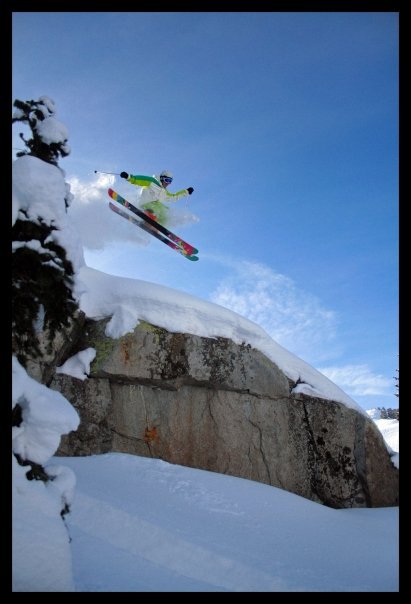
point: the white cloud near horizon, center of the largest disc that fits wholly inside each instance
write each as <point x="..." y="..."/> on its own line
<point x="292" y="317"/>
<point x="358" y="380"/>
<point x="296" y="320"/>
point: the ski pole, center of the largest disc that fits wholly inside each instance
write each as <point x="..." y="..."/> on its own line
<point x="112" y="173"/>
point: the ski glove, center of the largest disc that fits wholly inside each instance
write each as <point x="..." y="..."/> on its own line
<point x="190" y="190"/>
<point x="124" y="175"/>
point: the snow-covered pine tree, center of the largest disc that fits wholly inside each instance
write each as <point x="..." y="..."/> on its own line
<point x="397" y="384"/>
<point x="42" y="275"/>
<point x="36" y="114"/>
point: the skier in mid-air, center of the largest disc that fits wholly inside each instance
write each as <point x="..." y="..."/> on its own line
<point x="155" y="193"/>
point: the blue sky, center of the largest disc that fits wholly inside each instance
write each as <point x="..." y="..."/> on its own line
<point x="285" y="124"/>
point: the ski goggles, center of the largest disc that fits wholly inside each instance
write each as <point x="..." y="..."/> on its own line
<point x="166" y="179"/>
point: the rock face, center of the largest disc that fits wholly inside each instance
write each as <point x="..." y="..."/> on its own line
<point x="214" y="405"/>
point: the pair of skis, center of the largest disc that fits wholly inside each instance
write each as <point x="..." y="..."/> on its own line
<point x="151" y="226"/>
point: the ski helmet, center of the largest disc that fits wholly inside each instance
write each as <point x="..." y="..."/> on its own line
<point x="166" y="173"/>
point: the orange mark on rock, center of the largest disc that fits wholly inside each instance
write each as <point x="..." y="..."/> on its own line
<point x="124" y="351"/>
<point x="150" y="434"/>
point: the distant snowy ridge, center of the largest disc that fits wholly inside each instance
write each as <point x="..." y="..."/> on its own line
<point x="390" y="430"/>
<point x="383" y="413"/>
